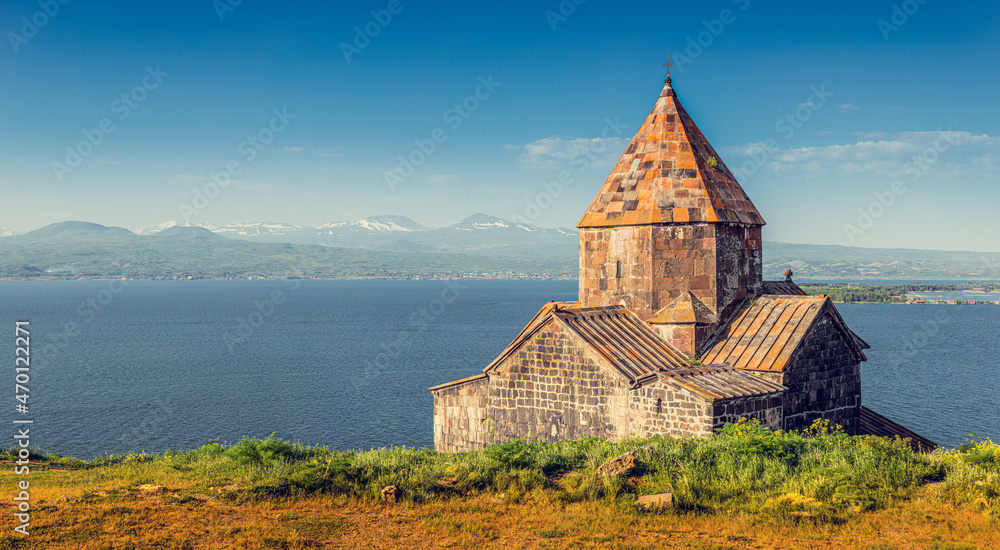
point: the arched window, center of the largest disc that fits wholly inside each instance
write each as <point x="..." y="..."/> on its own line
<point x="618" y="270"/>
<point x="659" y="406"/>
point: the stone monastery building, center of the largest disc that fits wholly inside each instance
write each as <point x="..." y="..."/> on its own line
<point x="675" y="332"/>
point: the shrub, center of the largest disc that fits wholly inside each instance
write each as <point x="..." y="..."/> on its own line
<point x="251" y="450"/>
<point x="516" y="453"/>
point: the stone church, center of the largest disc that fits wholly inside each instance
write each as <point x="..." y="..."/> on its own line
<point x="675" y="331"/>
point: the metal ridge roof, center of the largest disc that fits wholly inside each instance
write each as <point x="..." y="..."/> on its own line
<point x="783" y="287"/>
<point x="622" y="339"/>
<point x="634" y="351"/>
<point x="458" y="382"/>
<point x="873" y="423"/>
<point x="721" y="381"/>
<point x="768" y="330"/>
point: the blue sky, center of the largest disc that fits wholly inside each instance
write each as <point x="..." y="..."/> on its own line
<point x="121" y="113"/>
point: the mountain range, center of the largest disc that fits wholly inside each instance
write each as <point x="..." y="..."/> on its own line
<point x="398" y="247"/>
<point x="378" y="231"/>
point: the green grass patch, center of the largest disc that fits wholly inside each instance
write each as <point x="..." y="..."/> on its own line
<point x="821" y="475"/>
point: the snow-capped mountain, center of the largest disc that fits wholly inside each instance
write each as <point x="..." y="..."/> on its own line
<point x="485" y="223"/>
<point x="154" y="229"/>
<point x="256" y="229"/>
<point x="390" y="223"/>
<point x="379" y="232"/>
<point x="480" y="221"/>
<point x="375" y="224"/>
<point x="233" y="231"/>
<point x="333" y="225"/>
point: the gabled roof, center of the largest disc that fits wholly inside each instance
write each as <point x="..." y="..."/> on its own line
<point x="627" y="343"/>
<point x="614" y="333"/>
<point x="685" y="309"/>
<point x="455" y="383"/>
<point x="873" y="423"/>
<point x="718" y="381"/>
<point x="765" y="333"/>
<point x="634" y="352"/>
<point x="669" y="173"/>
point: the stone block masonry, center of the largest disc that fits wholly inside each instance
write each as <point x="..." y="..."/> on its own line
<point x="645" y="267"/>
<point x="460" y="413"/>
<point x="553" y="389"/>
<point x="823" y="381"/>
<point x="661" y="408"/>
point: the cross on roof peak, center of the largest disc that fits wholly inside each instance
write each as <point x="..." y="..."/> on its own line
<point x="668" y="64"/>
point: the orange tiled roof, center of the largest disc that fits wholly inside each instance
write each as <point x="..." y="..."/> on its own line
<point x="873" y="423"/>
<point x="666" y="176"/>
<point x="765" y="332"/>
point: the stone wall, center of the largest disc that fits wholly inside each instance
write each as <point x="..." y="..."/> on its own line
<point x="460" y="416"/>
<point x="552" y="389"/>
<point x="663" y="408"/>
<point x="718" y="263"/>
<point x="616" y="268"/>
<point x="739" y="266"/>
<point x="769" y="409"/>
<point x="687" y="338"/>
<point x="823" y="379"/>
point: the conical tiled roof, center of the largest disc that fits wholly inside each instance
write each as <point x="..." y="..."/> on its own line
<point x="666" y="175"/>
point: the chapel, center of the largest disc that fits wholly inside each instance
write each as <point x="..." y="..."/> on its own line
<point x="675" y="332"/>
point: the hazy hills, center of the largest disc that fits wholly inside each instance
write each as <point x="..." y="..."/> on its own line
<point x="87" y="250"/>
<point x="397" y="247"/>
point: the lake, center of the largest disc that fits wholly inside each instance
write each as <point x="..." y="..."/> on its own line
<point x="148" y="365"/>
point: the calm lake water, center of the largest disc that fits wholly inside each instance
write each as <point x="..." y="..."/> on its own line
<point x="153" y="365"/>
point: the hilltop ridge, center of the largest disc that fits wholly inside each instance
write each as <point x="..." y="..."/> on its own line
<point x="398" y="247"/>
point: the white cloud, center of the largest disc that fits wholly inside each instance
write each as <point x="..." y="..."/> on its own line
<point x="294" y="149"/>
<point x="330" y="154"/>
<point x="848" y="107"/>
<point x="945" y="154"/>
<point x="557" y="152"/>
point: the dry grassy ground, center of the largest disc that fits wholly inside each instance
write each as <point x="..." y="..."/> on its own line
<point x="91" y="509"/>
<point x="746" y="487"/>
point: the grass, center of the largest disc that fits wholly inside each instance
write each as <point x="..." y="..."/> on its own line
<point x="745" y="487"/>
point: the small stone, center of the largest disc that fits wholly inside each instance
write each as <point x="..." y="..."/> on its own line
<point x="150" y="488"/>
<point x="655" y="501"/>
<point x="447" y="482"/>
<point x="390" y="494"/>
<point x="621" y="465"/>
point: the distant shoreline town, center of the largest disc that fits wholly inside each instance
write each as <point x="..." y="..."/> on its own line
<point x="957" y="302"/>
